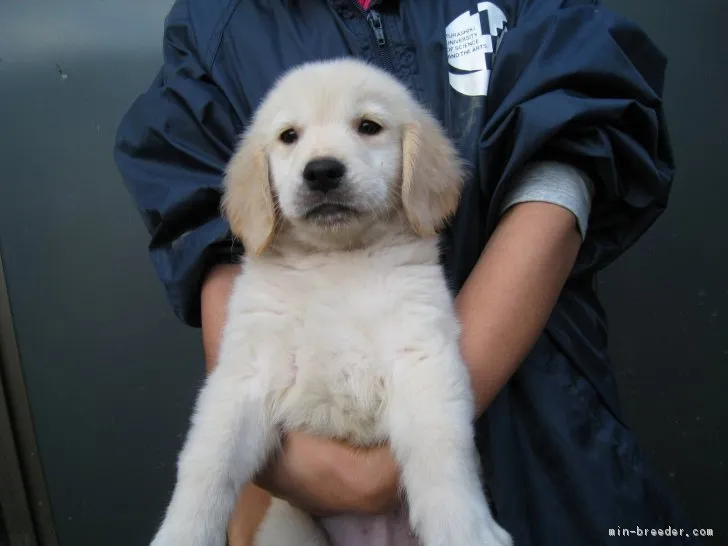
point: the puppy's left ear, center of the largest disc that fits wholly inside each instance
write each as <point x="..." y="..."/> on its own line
<point x="432" y="174"/>
<point x="248" y="202"/>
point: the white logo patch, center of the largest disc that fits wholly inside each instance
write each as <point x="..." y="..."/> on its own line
<point x="472" y="40"/>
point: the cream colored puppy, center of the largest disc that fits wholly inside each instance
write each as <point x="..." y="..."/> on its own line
<point x="341" y="322"/>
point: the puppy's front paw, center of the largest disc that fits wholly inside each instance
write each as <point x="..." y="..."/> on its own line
<point x="482" y="529"/>
<point x="163" y="538"/>
<point x="493" y="534"/>
<point x="169" y="535"/>
<point x="483" y="532"/>
<point x="459" y="522"/>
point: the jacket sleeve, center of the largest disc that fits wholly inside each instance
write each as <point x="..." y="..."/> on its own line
<point x="171" y="149"/>
<point x="575" y="83"/>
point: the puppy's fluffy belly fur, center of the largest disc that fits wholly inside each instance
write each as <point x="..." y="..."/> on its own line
<point x="337" y="324"/>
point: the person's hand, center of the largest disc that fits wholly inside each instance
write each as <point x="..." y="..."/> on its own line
<point x="326" y="477"/>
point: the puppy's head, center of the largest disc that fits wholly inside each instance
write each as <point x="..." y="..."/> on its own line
<point x="334" y="148"/>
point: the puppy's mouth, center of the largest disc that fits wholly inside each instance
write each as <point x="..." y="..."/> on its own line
<point x="331" y="213"/>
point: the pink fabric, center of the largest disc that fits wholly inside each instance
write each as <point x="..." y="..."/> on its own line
<point x="365" y="3"/>
<point x="387" y="530"/>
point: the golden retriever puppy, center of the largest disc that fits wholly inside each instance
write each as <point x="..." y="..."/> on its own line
<point x="341" y="322"/>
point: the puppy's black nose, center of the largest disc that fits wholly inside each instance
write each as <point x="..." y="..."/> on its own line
<point x="324" y="174"/>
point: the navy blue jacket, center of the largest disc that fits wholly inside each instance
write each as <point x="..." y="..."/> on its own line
<point x="512" y="81"/>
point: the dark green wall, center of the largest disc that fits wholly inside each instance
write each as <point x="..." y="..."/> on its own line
<point x="111" y="374"/>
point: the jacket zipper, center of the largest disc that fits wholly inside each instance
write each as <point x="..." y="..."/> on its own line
<point x="375" y="23"/>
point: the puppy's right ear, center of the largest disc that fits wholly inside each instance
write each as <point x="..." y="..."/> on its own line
<point x="248" y="202"/>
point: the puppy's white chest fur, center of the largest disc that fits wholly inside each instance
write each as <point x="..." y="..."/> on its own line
<point x="337" y="323"/>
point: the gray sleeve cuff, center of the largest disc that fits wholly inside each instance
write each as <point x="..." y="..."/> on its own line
<point x="556" y="183"/>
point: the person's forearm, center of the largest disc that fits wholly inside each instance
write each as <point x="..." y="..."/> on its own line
<point x="507" y="299"/>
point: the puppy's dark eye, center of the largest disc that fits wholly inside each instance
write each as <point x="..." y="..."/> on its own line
<point x="289" y="136"/>
<point x="368" y="127"/>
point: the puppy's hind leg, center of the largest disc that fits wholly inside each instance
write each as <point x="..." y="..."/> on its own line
<point x="230" y="437"/>
<point x="285" y="525"/>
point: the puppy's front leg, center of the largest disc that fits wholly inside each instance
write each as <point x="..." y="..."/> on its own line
<point x="430" y="425"/>
<point x="230" y="437"/>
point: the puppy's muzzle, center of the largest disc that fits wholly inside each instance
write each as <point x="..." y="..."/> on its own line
<point x="327" y="198"/>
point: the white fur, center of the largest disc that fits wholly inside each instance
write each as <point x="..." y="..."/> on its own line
<point x="342" y="326"/>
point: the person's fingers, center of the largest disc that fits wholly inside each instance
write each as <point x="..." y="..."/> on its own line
<point x="379" y="469"/>
<point x="294" y="474"/>
<point x="327" y="477"/>
<point x="250" y="510"/>
<point x="268" y="477"/>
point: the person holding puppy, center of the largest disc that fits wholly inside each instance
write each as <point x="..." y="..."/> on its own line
<point x="556" y="106"/>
